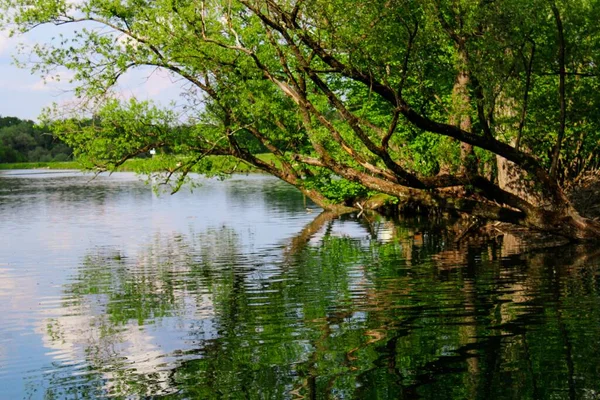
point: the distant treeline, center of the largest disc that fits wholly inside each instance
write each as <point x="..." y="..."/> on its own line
<point x="24" y="141"/>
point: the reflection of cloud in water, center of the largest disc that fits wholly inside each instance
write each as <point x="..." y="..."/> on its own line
<point x="7" y="283"/>
<point x="18" y="294"/>
<point x="117" y="352"/>
<point x="88" y="331"/>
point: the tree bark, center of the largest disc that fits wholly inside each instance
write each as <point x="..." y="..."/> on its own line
<point x="461" y="109"/>
<point x="561" y="93"/>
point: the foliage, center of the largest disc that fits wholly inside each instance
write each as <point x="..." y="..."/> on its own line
<point x="23" y="141"/>
<point x="208" y="166"/>
<point x="337" y="189"/>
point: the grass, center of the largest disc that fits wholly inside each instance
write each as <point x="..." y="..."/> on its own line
<point x="42" y="165"/>
<point x="215" y="164"/>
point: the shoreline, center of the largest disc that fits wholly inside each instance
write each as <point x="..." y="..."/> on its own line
<point x="211" y="165"/>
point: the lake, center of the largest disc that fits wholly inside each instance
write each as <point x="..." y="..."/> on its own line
<point x="243" y="289"/>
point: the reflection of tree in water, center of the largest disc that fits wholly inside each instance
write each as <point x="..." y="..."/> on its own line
<point x="334" y="316"/>
<point x="269" y="192"/>
<point x="69" y="186"/>
<point x="116" y="309"/>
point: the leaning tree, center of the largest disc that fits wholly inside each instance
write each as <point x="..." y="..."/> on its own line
<point x="483" y="107"/>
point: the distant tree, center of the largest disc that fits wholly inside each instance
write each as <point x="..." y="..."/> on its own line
<point x="10" y="121"/>
<point x="22" y="141"/>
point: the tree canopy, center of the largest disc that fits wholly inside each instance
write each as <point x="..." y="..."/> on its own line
<point x="485" y="107"/>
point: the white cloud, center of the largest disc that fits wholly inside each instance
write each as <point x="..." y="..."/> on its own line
<point x="125" y="41"/>
<point x="159" y="81"/>
<point x="59" y="81"/>
<point x="147" y="84"/>
<point x="75" y="3"/>
<point x="4" y="42"/>
<point x="8" y="44"/>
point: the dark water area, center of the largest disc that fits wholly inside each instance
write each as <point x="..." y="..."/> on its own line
<point x="242" y="289"/>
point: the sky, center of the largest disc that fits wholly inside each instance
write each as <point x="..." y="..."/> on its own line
<point x="24" y="95"/>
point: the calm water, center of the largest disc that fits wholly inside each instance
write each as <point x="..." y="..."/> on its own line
<point x="235" y="290"/>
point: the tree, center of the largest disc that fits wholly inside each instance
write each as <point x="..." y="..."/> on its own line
<point x="383" y="94"/>
<point x="24" y="141"/>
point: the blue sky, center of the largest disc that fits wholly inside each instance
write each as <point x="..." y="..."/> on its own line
<point x="24" y="95"/>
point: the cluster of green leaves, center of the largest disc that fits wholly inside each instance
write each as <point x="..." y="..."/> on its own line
<point x="119" y="131"/>
<point x="336" y="189"/>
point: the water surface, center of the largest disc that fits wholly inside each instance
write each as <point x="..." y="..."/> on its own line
<point x="242" y="289"/>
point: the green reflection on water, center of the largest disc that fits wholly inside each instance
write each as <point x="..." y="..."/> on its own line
<point x="330" y="316"/>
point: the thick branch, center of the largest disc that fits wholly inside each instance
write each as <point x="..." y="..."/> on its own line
<point x="480" y="109"/>
<point x="273" y="149"/>
<point x="525" y="96"/>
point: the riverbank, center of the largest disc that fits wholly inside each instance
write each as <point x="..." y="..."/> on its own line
<point x="214" y="164"/>
<point x="41" y="165"/>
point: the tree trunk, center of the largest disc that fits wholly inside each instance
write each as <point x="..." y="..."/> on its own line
<point x="561" y="93"/>
<point x="514" y="180"/>
<point x="461" y="108"/>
